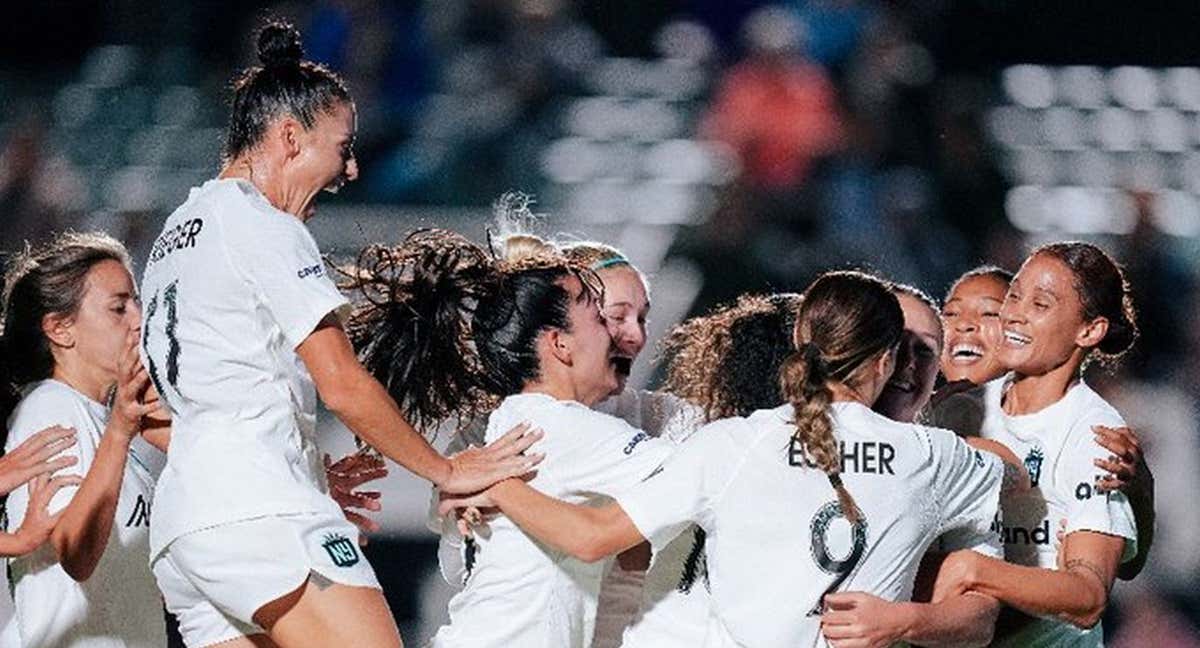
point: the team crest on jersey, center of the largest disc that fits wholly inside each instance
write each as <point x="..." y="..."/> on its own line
<point x="341" y="550"/>
<point x="1033" y="463"/>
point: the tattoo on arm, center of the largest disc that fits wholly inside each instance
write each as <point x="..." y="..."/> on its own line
<point x="1080" y="565"/>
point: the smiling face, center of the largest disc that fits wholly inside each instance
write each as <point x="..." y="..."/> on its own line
<point x="625" y="309"/>
<point x="593" y="356"/>
<point x="326" y="155"/>
<point x="971" y="319"/>
<point x="1042" y="319"/>
<point x="911" y="383"/>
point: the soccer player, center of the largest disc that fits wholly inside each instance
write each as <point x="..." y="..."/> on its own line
<point x="71" y="320"/>
<point x="1068" y="305"/>
<point x="727" y="363"/>
<point x="242" y="334"/>
<point x="526" y="333"/>
<point x="819" y="495"/>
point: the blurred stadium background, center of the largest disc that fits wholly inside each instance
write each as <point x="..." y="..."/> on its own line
<point x="727" y="145"/>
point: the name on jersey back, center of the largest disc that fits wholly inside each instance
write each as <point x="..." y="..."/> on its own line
<point x="180" y="237"/>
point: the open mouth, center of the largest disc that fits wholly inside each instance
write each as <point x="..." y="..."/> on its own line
<point x="966" y="353"/>
<point x="1016" y="339"/>
<point x="901" y="386"/>
<point x="622" y="364"/>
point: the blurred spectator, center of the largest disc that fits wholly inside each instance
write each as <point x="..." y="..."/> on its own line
<point x="834" y="28"/>
<point x="775" y="108"/>
<point x="40" y="192"/>
<point x="1164" y="291"/>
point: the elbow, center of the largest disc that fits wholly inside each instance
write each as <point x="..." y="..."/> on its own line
<point x="589" y="552"/>
<point x="78" y="572"/>
<point x="1086" y="620"/>
<point x="1090" y="614"/>
<point x="78" y="565"/>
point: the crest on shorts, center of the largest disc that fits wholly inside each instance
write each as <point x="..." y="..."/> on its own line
<point x="341" y="550"/>
<point x="1033" y="463"/>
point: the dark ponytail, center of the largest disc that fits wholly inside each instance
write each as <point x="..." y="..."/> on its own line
<point x="447" y="328"/>
<point x="284" y="84"/>
<point x="846" y="320"/>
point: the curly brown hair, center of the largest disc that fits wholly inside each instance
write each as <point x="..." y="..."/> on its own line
<point x="727" y="362"/>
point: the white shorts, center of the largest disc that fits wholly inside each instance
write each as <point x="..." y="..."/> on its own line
<point x="214" y="580"/>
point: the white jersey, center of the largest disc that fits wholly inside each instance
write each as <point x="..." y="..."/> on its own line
<point x="519" y="592"/>
<point x="1058" y="446"/>
<point x="776" y="538"/>
<point x="622" y="592"/>
<point x="119" y="605"/>
<point x="231" y="288"/>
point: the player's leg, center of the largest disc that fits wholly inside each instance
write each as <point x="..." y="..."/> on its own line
<point x="324" y="613"/>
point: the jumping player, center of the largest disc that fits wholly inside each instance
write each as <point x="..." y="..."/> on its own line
<point x="242" y="334"/>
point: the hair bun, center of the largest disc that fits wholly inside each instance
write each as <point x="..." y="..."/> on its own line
<point x="279" y="45"/>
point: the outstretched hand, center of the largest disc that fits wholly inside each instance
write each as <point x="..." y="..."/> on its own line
<point x="347" y="474"/>
<point x="36" y="456"/>
<point x="475" y="469"/>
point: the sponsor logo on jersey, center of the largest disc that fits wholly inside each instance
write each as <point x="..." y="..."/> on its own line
<point x="1085" y="491"/>
<point x="633" y="443"/>
<point x="1033" y="463"/>
<point x="311" y="271"/>
<point x="1038" y="535"/>
<point x="140" y="516"/>
<point x="180" y="237"/>
<point x="340" y="549"/>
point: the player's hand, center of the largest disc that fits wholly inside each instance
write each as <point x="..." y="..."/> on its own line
<point x="39" y="522"/>
<point x="860" y="620"/>
<point x="133" y="383"/>
<point x="347" y="474"/>
<point x="475" y="469"/>
<point x="461" y="505"/>
<point x="36" y="456"/>
<point x="1125" y="468"/>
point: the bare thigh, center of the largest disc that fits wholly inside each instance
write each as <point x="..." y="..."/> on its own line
<point x="319" y="614"/>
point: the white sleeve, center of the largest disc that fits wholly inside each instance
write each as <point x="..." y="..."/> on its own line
<point x="688" y="486"/>
<point x="607" y="456"/>
<point x="669" y="417"/>
<point x="1091" y="510"/>
<point x="281" y="259"/>
<point x="34" y="417"/>
<point x="967" y="490"/>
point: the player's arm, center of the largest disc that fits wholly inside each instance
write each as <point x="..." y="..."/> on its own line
<point x="1128" y="472"/>
<point x="1016" y="476"/>
<point x="951" y="620"/>
<point x="1076" y="594"/>
<point x="81" y="534"/>
<point x="360" y="402"/>
<point x="585" y="532"/>
<point x="859" y="618"/>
